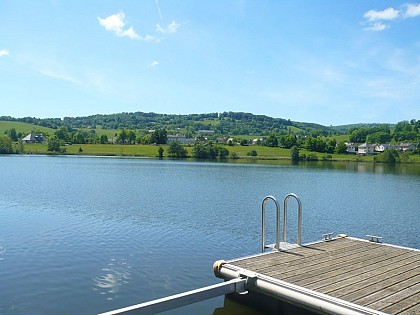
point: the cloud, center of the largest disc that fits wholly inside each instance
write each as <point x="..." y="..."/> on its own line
<point x="387" y="14"/>
<point x="375" y="19"/>
<point x="154" y="63"/>
<point x="162" y="28"/>
<point x="168" y="29"/>
<point x="58" y="74"/>
<point x="4" y="53"/>
<point x="116" y="23"/>
<point x="412" y="10"/>
<point x="376" y="27"/>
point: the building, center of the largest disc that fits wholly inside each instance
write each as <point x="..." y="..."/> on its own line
<point x="351" y="148"/>
<point x="366" y="149"/>
<point x="406" y="147"/>
<point x="176" y="138"/>
<point x="34" y="138"/>
<point x="382" y="147"/>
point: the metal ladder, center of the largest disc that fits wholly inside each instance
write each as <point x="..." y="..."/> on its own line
<point x="283" y="243"/>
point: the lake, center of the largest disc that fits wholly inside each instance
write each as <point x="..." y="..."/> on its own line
<point x="83" y="235"/>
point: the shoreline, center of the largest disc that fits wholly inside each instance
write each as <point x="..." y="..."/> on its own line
<point x="237" y="159"/>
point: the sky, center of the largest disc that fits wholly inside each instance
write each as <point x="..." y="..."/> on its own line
<point x="326" y="62"/>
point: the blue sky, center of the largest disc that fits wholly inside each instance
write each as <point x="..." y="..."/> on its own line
<point x="328" y="62"/>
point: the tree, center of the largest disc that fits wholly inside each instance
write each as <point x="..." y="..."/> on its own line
<point x="54" y="144"/>
<point x="177" y="150"/>
<point x="252" y="153"/>
<point x="341" y="148"/>
<point x="294" y="153"/>
<point x="146" y="139"/>
<point x="159" y="136"/>
<point x="103" y="139"/>
<point x="12" y="134"/>
<point x="131" y="135"/>
<point x="199" y="151"/>
<point x="288" y="141"/>
<point x="122" y="136"/>
<point x="63" y="134"/>
<point x="388" y="156"/>
<point x="244" y="142"/>
<point x="5" y="145"/>
<point x="160" y="152"/>
<point x="378" y="137"/>
<point x="208" y="151"/>
<point x="272" y="141"/>
<point x="79" y="138"/>
<point x="359" y="135"/>
<point x="330" y="145"/>
<point x="315" y="144"/>
<point x="223" y="152"/>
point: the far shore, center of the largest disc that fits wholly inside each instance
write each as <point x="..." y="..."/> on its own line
<point x="237" y="153"/>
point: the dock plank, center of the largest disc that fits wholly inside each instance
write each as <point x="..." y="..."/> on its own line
<point x="342" y="284"/>
<point x="411" y="305"/>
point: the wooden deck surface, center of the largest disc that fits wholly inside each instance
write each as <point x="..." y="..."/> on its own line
<point x="381" y="277"/>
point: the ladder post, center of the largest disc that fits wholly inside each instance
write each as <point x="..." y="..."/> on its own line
<point x="286" y="199"/>
<point x="263" y="205"/>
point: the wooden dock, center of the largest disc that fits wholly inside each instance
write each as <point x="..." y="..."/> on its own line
<point x="345" y="271"/>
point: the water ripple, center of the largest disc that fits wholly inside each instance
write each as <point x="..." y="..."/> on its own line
<point x="115" y="274"/>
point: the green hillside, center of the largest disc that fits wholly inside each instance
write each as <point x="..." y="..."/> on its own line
<point x="24" y="128"/>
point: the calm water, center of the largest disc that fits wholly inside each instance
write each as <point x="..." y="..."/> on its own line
<point x="82" y="235"/>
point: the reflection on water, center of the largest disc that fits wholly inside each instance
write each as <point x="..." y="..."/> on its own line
<point x="231" y="307"/>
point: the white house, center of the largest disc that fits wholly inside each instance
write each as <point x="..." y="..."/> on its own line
<point x="382" y="147"/>
<point x="406" y="147"/>
<point x="351" y="148"/>
<point x="366" y="149"/>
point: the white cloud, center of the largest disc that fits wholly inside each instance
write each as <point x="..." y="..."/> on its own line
<point x="376" y="27"/>
<point x="58" y="74"/>
<point x="154" y="63"/>
<point x="116" y="23"/>
<point x="168" y="29"/>
<point x="412" y="10"/>
<point x="375" y="18"/>
<point x="387" y="14"/>
<point x="4" y="53"/>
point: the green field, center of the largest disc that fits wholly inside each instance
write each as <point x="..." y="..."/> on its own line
<point x="24" y="128"/>
<point x="151" y="151"/>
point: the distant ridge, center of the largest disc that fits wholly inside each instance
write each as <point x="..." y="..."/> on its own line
<point x="233" y="123"/>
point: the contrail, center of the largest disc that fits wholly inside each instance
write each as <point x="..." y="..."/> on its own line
<point x="160" y="13"/>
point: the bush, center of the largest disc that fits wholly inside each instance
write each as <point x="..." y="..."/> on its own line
<point x="5" y="145"/>
<point x="388" y="156"/>
<point x="252" y="153"/>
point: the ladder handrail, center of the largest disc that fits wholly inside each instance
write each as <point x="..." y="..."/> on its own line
<point x="286" y="199"/>
<point x="264" y="202"/>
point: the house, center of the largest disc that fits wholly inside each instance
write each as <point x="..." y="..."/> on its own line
<point x="200" y="139"/>
<point x="176" y="138"/>
<point x="34" y="138"/>
<point x="366" y="149"/>
<point x="257" y="141"/>
<point x="351" y="148"/>
<point x="382" y="147"/>
<point x="406" y="147"/>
